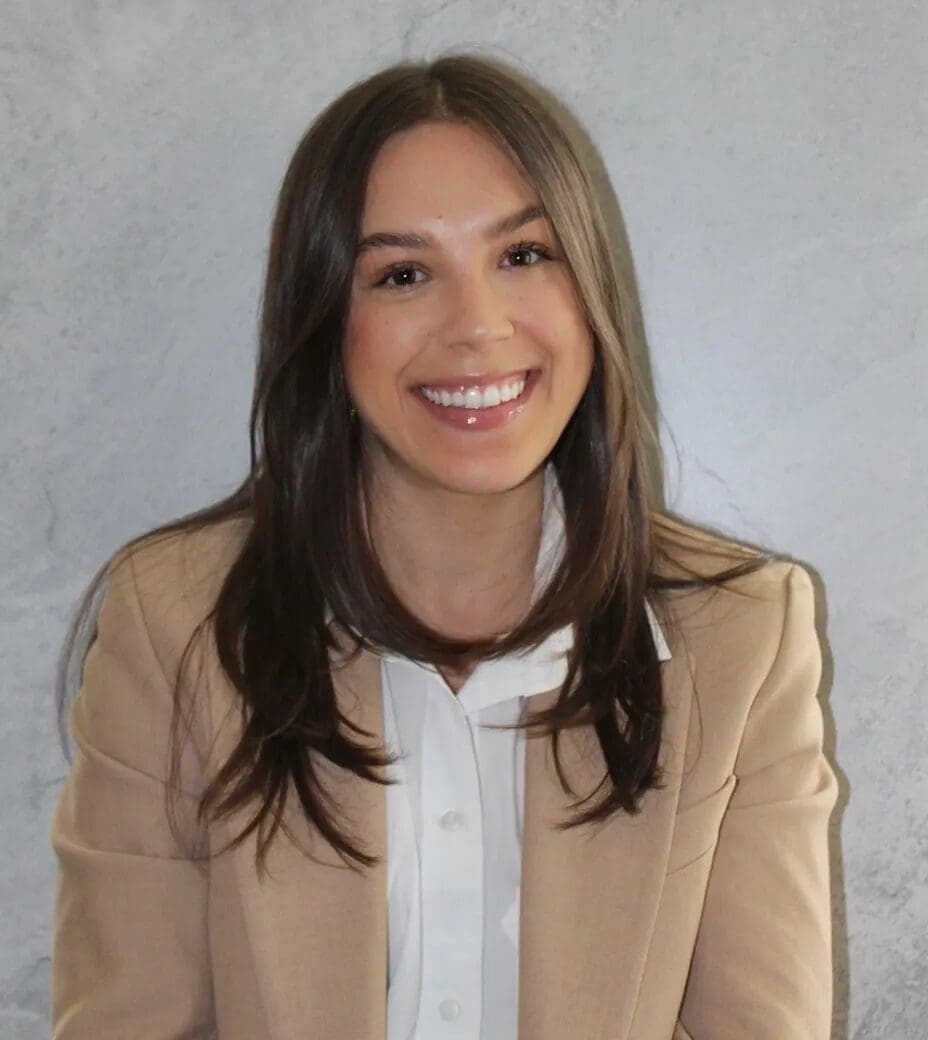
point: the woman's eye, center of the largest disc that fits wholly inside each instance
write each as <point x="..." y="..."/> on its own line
<point x="530" y="247"/>
<point x="393" y="273"/>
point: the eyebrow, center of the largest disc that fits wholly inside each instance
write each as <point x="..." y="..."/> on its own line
<point x="412" y="240"/>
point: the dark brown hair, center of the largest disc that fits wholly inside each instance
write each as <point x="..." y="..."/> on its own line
<point x="304" y="544"/>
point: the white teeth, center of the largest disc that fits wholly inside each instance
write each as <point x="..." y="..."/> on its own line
<point x="489" y="397"/>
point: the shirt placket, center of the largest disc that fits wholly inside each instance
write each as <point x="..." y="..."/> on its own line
<point x="452" y="871"/>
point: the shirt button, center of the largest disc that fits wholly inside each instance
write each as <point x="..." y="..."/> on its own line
<point x="449" y="1009"/>
<point x="450" y="819"/>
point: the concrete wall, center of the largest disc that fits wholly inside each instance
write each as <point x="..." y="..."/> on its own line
<point x="770" y="162"/>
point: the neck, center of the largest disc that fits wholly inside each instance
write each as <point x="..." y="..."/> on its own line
<point x="463" y="563"/>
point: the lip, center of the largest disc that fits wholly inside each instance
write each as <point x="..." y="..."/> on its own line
<point x="479" y="380"/>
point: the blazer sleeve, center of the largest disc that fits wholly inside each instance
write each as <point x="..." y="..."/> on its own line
<point x="130" y="949"/>
<point x="762" y="963"/>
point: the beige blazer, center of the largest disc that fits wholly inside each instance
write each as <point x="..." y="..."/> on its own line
<point x="705" y="916"/>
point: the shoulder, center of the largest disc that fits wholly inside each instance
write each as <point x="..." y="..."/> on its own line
<point x="750" y="650"/>
<point x="735" y="629"/>
<point x="189" y="563"/>
<point x="174" y="579"/>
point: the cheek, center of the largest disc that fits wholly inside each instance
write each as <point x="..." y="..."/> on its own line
<point x="558" y="326"/>
<point x="375" y="349"/>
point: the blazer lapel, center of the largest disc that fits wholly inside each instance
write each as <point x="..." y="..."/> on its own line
<point x="589" y="899"/>
<point x="317" y="928"/>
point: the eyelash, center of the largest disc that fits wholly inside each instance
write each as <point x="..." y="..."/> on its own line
<point x="534" y="247"/>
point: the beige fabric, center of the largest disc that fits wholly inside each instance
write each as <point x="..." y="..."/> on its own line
<point x="706" y="916"/>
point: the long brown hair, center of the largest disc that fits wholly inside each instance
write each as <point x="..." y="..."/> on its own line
<point x="303" y="542"/>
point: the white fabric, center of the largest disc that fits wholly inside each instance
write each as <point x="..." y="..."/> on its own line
<point x="454" y="827"/>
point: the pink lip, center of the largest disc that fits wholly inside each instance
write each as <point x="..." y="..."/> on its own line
<point x="481" y="379"/>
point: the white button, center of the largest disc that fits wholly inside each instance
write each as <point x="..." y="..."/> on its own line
<point x="450" y="819"/>
<point x="449" y="1009"/>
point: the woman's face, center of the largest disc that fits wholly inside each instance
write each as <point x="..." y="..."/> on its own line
<point x="458" y="304"/>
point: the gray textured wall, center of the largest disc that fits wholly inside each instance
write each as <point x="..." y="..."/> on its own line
<point x="770" y="161"/>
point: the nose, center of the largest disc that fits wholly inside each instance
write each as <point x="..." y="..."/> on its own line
<point x="478" y="312"/>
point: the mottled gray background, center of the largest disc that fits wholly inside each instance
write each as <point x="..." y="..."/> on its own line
<point x="770" y="163"/>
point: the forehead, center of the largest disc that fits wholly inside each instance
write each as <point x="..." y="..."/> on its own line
<point x="441" y="172"/>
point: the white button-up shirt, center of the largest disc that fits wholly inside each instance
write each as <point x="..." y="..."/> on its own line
<point x="454" y="826"/>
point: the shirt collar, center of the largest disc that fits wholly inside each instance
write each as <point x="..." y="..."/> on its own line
<point x="552" y="549"/>
<point x="545" y="667"/>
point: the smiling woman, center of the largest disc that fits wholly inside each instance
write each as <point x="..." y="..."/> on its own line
<point x="448" y="550"/>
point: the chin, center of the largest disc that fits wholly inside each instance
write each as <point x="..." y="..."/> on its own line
<point x="483" y="476"/>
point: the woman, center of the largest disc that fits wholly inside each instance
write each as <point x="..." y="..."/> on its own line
<point x="333" y="733"/>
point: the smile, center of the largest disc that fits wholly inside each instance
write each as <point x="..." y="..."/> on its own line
<point x="474" y="409"/>
<point x="475" y="397"/>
